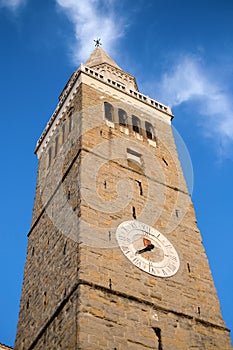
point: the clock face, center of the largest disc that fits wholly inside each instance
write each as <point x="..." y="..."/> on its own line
<point x="147" y="248"/>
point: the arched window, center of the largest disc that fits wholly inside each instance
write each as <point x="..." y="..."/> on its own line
<point x="108" y="110"/>
<point x="136" y="124"/>
<point x="122" y="117"/>
<point x="149" y="131"/>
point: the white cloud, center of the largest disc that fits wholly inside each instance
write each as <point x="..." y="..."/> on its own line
<point x="189" y="82"/>
<point x="12" y="4"/>
<point x="92" y="19"/>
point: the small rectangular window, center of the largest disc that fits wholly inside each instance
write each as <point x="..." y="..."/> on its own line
<point x="134" y="156"/>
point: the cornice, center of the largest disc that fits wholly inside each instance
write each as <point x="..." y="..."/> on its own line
<point x="71" y="88"/>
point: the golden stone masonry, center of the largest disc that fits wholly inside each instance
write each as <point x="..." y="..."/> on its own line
<point x="115" y="259"/>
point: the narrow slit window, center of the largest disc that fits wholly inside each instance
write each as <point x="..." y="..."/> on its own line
<point x="134" y="213"/>
<point x="122" y="117"/>
<point x="56" y="145"/>
<point x="70" y="122"/>
<point x="108" y="110"/>
<point x="159" y="337"/>
<point x="64" y="249"/>
<point x="45" y="299"/>
<point x="70" y="112"/>
<point x="136" y="124"/>
<point x="49" y="156"/>
<point x="149" y="131"/>
<point x="110" y="283"/>
<point x="140" y="187"/>
<point x="63" y="132"/>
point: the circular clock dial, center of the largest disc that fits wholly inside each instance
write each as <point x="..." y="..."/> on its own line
<point x="147" y="248"/>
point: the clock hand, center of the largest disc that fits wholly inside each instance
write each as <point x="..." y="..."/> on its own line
<point x="146" y="249"/>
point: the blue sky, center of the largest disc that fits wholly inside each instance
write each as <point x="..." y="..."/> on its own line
<point x="181" y="53"/>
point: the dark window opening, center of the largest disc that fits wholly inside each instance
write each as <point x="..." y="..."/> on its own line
<point x="188" y="267"/>
<point x="140" y="187"/>
<point x="165" y="162"/>
<point x="45" y="298"/>
<point x="198" y="310"/>
<point x="33" y="251"/>
<point x="70" y="110"/>
<point x="134" y="213"/>
<point x="64" y="249"/>
<point x="110" y="283"/>
<point x="136" y="124"/>
<point x="159" y="337"/>
<point x="149" y="131"/>
<point x="177" y="213"/>
<point x="122" y="117"/>
<point x="108" y="110"/>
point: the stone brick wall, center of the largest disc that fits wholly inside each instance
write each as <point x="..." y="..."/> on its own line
<point x="115" y="321"/>
<point x="80" y="291"/>
<point x="51" y="268"/>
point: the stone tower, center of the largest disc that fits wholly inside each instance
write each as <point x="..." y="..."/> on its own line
<point x="115" y="259"/>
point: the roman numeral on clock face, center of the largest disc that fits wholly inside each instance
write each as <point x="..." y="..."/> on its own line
<point x="140" y="243"/>
<point x="126" y="249"/>
<point x="137" y="261"/>
<point x="171" y="267"/>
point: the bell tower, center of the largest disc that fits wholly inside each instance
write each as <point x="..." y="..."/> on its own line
<point x="115" y="259"/>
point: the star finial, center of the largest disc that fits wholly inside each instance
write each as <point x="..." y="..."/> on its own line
<point x="97" y="42"/>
